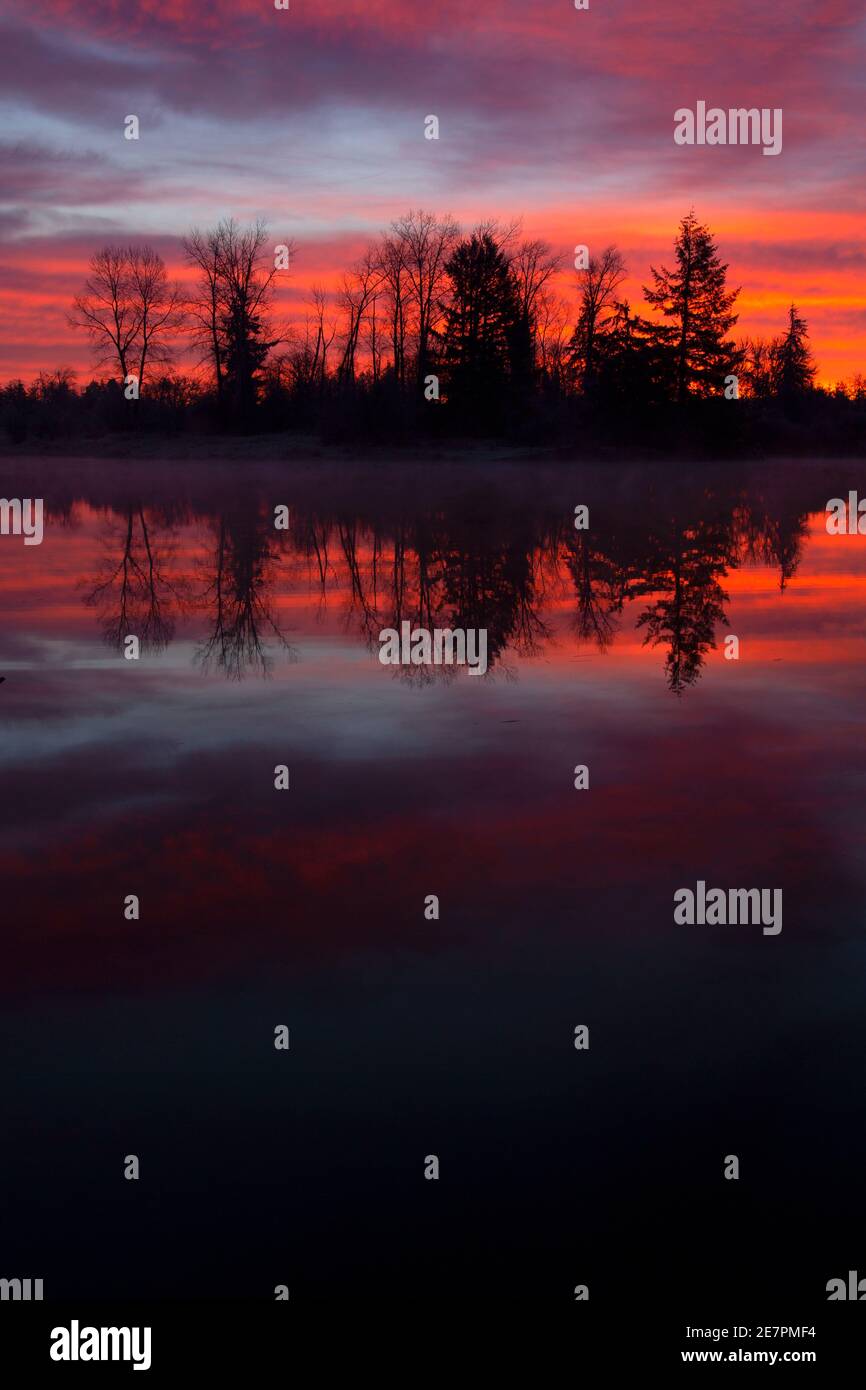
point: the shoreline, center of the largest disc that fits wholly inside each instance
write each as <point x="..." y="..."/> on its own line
<point x="308" y="449"/>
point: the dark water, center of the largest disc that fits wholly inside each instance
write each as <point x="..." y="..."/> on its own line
<point x="412" y="1037"/>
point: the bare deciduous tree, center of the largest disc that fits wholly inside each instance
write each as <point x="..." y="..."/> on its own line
<point x="397" y="295"/>
<point x="354" y="297"/>
<point x="202" y="251"/>
<point x="237" y="274"/>
<point x="428" y="242"/>
<point x="533" y="266"/>
<point x="325" y="332"/>
<point x="598" y="284"/>
<point x="552" y="317"/>
<point x="129" y="309"/>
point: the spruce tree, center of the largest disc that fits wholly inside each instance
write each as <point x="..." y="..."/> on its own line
<point x="794" y="366"/>
<point x="485" y="340"/>
<point x="695" y="299"/>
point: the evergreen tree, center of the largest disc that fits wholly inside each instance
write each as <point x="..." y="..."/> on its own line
<point x="695" y="299"/>
<point x="245" y="350"/>
<point x="485" y="342"/>
<point x="628" y="365"/>
<point x="794" y="366"/>
<point x="231" y="308"/>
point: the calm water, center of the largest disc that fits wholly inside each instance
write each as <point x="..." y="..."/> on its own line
<point x="412" y="1037"/>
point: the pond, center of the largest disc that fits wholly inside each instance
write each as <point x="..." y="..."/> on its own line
<point x="408" y="1030"/>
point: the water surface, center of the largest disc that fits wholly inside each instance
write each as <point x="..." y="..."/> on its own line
<point x="412" y="1037"/>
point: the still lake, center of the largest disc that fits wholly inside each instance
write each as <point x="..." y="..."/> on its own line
<point x="413" y="1037"/>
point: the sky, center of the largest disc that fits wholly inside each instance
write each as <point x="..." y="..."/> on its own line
<point x="313" y="118"/>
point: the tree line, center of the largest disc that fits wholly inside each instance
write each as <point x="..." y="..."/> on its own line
<point x="434" y="332"/>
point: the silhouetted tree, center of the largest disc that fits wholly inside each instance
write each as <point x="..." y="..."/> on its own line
<point x="533" y="266"/>
<point x="794" y="367"/>
<point x="597" y="284"/>
<point x="393" y="255"/>
<point x="203" y="250"/>
<point x="14" y="402"/>
<point x="356" y="293"/>
<point x="247" y="273"/>
<point x="552" y="338"/>
<point x="427" y="242"/>
<point x="629" y="367"/>
<point x="758" y="367"/>
<point x="695" y="299"/>
<point x="483" y="339"/>
<point x="128" y="309"/>
<point x="231" y="309"/>
<point x="54" y="395"/>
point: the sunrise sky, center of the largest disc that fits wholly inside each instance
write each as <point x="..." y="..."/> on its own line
<point x="313" y="117"/>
